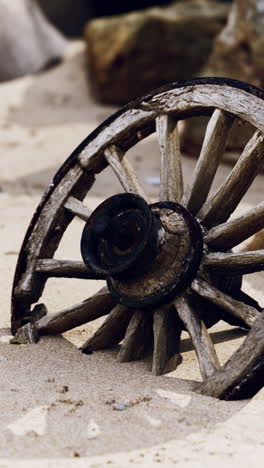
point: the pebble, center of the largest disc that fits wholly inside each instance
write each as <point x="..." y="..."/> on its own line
<point x="120" y="406"/>
<point x="62" y="389"/>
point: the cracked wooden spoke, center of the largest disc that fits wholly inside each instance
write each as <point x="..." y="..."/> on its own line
<point x="235" y="263"/>
<point x="138" y="338"/>
<point x="218" y="209"/>
<point x="65" y="269"/>
<point x="112" y="330"/>
<point x="92" y="308"/>
<point x="171" y="181"/>
<point x="200" y="337"/>
<point x="77" y="208"/>
<point x="218" y="384"/>
<point x="213" y="148"/>
<point x="240" y="310"/>
<point x="229" y="234"/>
<point x="167" y="333"/>
<point x="123" y="170"/>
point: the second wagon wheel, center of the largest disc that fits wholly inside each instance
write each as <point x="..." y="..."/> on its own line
<point x="168" y="265"/>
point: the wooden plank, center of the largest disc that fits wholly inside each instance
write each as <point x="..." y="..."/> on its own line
<point x="240" y="310"/>
<point x="112" y="330"/>
<point x="213" y="148"/>
<point x="200" y="337"/>
<point x="229" y="234"/>
<point x="77" y="208"/>
<point x="171" y="181"/>
<point x="238" y="365"/>
<point x="235" y="263"/>
<point x="167" y="333"/>
<point x="218" y="209"/>
<point x="92" y="308"/>
<point x="123" y="170"/>
<point x="138" y="337"/>
<point x="65" y="269"/>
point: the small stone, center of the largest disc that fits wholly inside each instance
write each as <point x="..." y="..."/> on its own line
<point x="120" y="407"/>
<point x="62" y="389"/>
<point x="110" y="402"/>
<point x="3" y="358"/>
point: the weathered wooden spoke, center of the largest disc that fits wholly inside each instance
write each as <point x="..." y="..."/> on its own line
<point x="138" y="338"/>
<point x="204" y="348"/>
<point x="77" y="208"/>
<point x="240" y="310"/>
<point x="222" y="382"/>
<point x="218" y="209"/>
<point x="111" y="332"/>
<point x="171" y="181"/>
<point x="123" y="170"/>
<point x="91" y="309"/>
<point x="167" y="332"/>
<point x="229" y="234"/>
<point x="235" y="263"/>
<point x="65" y="269"/>
<point x="155" y="257"/>
<point x="213" y="148"/>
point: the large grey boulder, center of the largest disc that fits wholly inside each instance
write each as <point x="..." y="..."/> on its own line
<point x="133" y="53"/>
<point x="28" y="42"/>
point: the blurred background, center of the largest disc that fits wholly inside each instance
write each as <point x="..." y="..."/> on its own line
<point x="66" y="65"/>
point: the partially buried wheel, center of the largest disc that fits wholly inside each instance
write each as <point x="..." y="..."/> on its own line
<point x="168" y="265"/>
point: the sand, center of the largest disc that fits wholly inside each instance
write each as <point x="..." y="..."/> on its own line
<point x="58" y="407"/>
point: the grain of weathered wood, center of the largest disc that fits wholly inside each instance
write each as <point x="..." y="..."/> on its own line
<point x="240" y="310"/>
<point x="138" y="338"/>
<point x="238" y="365"/>
<point x="123" y="170"/>
<point x="116" y="132"/>
<point x="194" y="97"/>
<point x="42" y="240"/>
<point x="229" y="234"/>
<point x="204" y="348"/>
<point x="171" y="181"/>
<point x="77" y="208"/>
<point x="213" y="148"/>
<point x="65" y="269"/>
<point x="112" y="330"/>
<point x="218" y="209"/>
<point x="235" y="263"/>
<point x="167" y="333"/>
<point x="46" y="223"/>
<point x="96" y="306"/>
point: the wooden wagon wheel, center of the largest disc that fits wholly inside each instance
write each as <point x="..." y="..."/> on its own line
<point x="168" y="265"/>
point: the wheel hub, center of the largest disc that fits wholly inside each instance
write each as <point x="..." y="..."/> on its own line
<point x="149" y="253"/>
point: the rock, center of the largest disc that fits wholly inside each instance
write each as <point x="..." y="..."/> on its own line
<point x="237" y="53"/>
<point x="62" y="389"/>
<point x="26" y="334"/>
<point x="131" y="54"/>
<point x="120" y="407"/>
<point x="28" y="43"/>
<point x="238" y="50"/>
